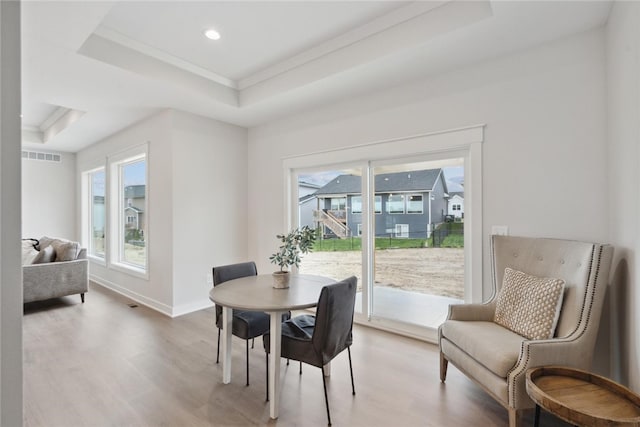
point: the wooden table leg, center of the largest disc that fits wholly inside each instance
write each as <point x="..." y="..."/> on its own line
<point x="275" y="331"/>
<point x="227" y="319"/>
<point x="536" y="419"/>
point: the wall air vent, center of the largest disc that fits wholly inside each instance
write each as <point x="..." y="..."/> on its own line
<point x="42" y="156"/>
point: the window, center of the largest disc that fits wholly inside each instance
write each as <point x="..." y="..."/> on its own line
<point x="402" y="231"/>
<point x="414" y="204"/>
<point x="128" y="210"/>
<point x="356" y="204"/>
<point x="339" y="204"/>
<point x="395" y="204"/>
<point x="378" y="204"/>
<point x="456" y="207"/>
<point x="359" y="229"/>
<point x="96" y="226"/>
<point x="133" y="193"/>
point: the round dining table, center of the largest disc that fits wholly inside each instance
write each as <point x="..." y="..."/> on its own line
<point x="256" y="293"/>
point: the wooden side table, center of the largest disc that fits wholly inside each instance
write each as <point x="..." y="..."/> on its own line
<point x="582" y="398"/>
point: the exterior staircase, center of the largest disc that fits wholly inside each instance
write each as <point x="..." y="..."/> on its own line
<point x="327" y="219"/>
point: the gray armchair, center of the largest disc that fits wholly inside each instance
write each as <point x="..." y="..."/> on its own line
<point x="497" y="358"/>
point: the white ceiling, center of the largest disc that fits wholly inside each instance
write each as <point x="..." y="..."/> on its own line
<point x="92" y="68"/>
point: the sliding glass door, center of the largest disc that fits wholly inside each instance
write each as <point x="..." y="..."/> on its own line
<point x="330" y="201"/>
<point x="418" y="263"/>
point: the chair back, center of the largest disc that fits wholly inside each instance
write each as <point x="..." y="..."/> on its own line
<point x="583" y="266"/>
<point x="224" y="273"/>
<point x="334" y="319"/>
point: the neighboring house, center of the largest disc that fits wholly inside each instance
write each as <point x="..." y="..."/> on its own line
<point x="134" y="196"/>
<point x="456" y="204"/>
<point x="306" y="203"/>
<point x="407" y="204"/>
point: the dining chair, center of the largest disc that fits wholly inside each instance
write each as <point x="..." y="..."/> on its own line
<point x="245" y="324"/>
<point x="317" y="340"/>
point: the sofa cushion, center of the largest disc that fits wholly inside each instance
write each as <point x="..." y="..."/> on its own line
<point x="66" y="251"/>
<point x="472" y="338"/>
<point x="47" y="254"/>
<point x="529" y="305"/>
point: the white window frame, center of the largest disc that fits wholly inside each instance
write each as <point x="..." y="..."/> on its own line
<point x="117" y="219"/>
<point x="402" y="234"/>
<point x="353" y="210"/>
<point x="407" y="201"/>
<point x="389" y="204"/>
<point x="87" y="214"/>
<point x="465" y="143"/>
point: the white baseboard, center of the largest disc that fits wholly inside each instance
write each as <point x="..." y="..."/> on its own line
<point x="141" y="299"/>
<point x="191" y="307"/>
<point x="151" y="303"/>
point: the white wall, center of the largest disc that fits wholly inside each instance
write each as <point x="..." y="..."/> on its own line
<point x="197" y="170"/>
<point x="623" y="82"/>
<point x="156" y="292"/>
<point x="209" y="204"/>
<point x="49" y="198"/>
<point x="545" y="138"/>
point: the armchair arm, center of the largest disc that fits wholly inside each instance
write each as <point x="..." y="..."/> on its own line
<point x="567" y="351"/>
<point x="472" y="312"/>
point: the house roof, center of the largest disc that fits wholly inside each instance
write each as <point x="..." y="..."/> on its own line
<point x="134" y="192"/>
<point x="306" y="198"/>
<point x="133" y="208"/>
<point x="457" y="193"/>
<point x="420" y="180"/>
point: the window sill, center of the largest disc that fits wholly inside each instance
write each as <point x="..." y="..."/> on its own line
<point x="97" y="260"/>
<point x="131" y="270"/>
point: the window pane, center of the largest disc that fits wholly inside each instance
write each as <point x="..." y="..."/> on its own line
<point x="395" y="204"/>
<point x="134" y="194"/>
<point x="414" y="203"/>
<point x="96" y="243"/>
<point x="378" y="207"/>
<point x="356" y="204"/>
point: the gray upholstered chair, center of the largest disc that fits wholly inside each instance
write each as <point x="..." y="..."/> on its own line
<point x="497" y="358"/>
<point x="245" y="324"/>
<point x="318" y="339"/>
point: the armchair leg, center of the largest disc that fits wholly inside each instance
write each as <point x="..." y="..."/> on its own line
<point x="300" y="368"/>
<point x="82" y="297"/>
<point x="444" y="363"/>
<point x="326" y="398"/>
<point x="515" y="417"/>
<point x="353" y="386"/>
<point x="218" y="353"/>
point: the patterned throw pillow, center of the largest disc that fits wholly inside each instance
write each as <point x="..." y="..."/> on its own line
<point x="529" y="305"/>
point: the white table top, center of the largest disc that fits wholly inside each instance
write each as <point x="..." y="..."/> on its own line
<point x="257" y="293"/>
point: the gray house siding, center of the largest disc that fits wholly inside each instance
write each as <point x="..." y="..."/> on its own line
<point x="406" y="189"/>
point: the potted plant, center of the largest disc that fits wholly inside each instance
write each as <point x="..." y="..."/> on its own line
<point x="298" y="241"/>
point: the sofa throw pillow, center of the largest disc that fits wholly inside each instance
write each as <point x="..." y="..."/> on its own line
<point x="47" y="254"/>
<point x="28" y="251"/>
<point x="529" y="305"/>
<point x="65" y="251"/>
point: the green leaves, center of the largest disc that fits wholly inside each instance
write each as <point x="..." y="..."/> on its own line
<point x="298" y="241"/>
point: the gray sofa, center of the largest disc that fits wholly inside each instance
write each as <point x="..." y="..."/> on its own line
<point x="56" y="279"/>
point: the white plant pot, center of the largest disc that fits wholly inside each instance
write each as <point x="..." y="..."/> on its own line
<point x="280" y="279"/>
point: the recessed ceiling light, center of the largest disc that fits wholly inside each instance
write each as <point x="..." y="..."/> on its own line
<point x="212" y="34"/>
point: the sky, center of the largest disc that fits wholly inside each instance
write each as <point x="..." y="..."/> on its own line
<point x="454" y="176"/>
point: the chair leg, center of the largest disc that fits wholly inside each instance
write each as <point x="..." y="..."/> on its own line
<point x="267" y="358"/>
<point x="443" y="367"/>
<point x="253" y="341"/>
<point x="82" y="297"/>
<point x="353" y="386"/>
<point x="326" y="398"/>
<point x="300" y="368"/>
<point x="247" y="341"/>
<point x="218" y="355"/>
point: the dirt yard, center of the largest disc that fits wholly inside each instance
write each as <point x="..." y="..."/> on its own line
<point x="433" y="271"/>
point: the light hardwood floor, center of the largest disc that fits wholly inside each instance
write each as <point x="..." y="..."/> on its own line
<point x="104" y="363"/>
